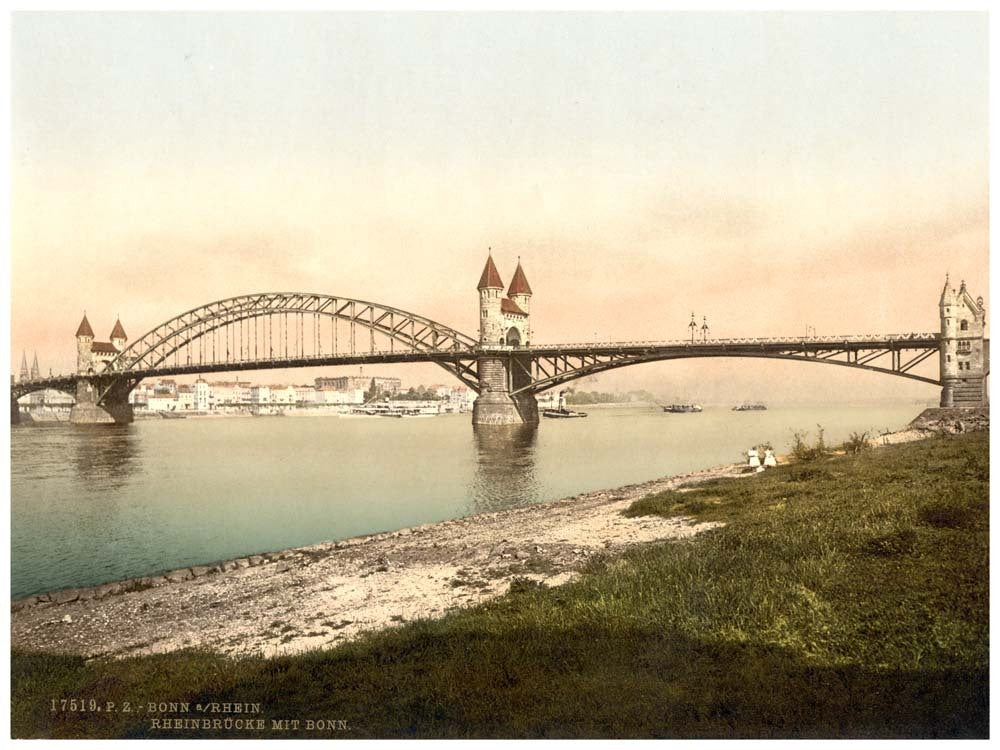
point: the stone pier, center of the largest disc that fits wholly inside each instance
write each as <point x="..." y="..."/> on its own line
<point x="88" y="411"/>
<point x="498" y="376"/>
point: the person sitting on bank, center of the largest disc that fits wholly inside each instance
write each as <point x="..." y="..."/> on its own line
<point x="753" y="460"/>
<point x="769" y="459"/>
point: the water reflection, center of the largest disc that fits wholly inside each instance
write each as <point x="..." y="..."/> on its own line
<point x="105" y="456"/>
<point x="505" y="467"/>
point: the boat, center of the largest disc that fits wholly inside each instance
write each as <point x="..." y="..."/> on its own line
<point x="563" y="414"/>
<point x="681" y="408"/>
<point x="750" y="407"/>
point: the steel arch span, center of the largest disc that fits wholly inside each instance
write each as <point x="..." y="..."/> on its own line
<point x="555" y="366"/>
<point x="257" y="331"/>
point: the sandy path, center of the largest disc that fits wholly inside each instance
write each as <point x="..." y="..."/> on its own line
<point x="325" y="594"/>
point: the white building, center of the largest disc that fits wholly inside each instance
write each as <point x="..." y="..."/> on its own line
<point x="242" y="393"/>
<point x="283" y="394"/>
<point x="202" y="395"/>
<point x="328" y="395"/>
<point x="223" y="393"/>
<point x="162" y="403"/>
<point x="305" y="394"/>
<point x="185" y="397"/>
<point x="460" y="399"/>
<point x="260" y="394"/>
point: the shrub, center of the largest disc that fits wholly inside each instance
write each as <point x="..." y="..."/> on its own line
<point x="801" y="449"/>
<point x="856" y="443"/>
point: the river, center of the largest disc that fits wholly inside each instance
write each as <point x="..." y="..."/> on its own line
<point x="99" y="503"/>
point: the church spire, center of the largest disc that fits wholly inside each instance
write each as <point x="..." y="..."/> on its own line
<point x="24" y="365"/>
<point x="34" y="367"/>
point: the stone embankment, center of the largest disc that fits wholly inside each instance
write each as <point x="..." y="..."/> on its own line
<point x="325" y="594"/>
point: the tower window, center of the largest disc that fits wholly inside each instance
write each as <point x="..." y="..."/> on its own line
<point x="965" y="325"/>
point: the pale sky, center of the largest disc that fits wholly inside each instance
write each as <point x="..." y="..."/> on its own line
<point x="770" y="171"/>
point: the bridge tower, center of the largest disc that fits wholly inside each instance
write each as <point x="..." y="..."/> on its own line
<point x="115" y="407"/>
<point x="84" y="341"/>
<point x="964" y="352"/>
<point x="504" y="329"/>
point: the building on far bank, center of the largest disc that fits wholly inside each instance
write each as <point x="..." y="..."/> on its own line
<point x="456" y="398"/>
<point x="185" y="397"/>
<point x="284" y="394"/>
<point x="305" y="394"/>
<point x="202" y="395"/>
<point x="336" y="396"/>
<point x="361" y="382"/>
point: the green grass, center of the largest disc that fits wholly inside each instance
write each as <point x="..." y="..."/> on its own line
<point x="843" y="598"/>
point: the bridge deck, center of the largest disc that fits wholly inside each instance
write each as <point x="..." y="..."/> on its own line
<point x="663" y="349"/>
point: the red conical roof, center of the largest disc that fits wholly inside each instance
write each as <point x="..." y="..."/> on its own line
<point x="118" y="332"/>
<point x="491" y="277"/>
<point x="85" y="329"/>
<point x="519" y="284"/>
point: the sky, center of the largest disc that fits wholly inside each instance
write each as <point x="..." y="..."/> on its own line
<point x="767" y="171"/>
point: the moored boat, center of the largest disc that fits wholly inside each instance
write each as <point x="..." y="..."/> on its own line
<point x="750" y="407"/>
<point x="681" y="408"/>
<point x="563" y="413"/>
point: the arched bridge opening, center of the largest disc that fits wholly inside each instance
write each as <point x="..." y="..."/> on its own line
<point x="291" y="329"/>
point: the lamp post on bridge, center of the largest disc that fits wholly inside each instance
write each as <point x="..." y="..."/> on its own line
<point x="704" y="328"/>
<point x="693" y="326"/>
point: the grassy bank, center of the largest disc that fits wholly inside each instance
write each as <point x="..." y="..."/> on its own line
<point x="845" y="597"/>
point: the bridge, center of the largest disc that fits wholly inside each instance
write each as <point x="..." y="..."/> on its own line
<point x="281" y="330"/>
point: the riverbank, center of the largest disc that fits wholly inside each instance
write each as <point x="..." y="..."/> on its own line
<point x="327" y="594"/>
<point x="841" y="597"/>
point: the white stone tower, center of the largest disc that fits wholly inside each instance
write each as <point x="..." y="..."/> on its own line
<point x="963" y="348"/>
<point x="490" y="317"/>
<point x="503" y="322"/>
<point x="519" y="293"/>
<point x="84" y="340"/>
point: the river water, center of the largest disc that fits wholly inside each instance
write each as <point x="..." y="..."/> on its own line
<point x="95" y="504"/>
